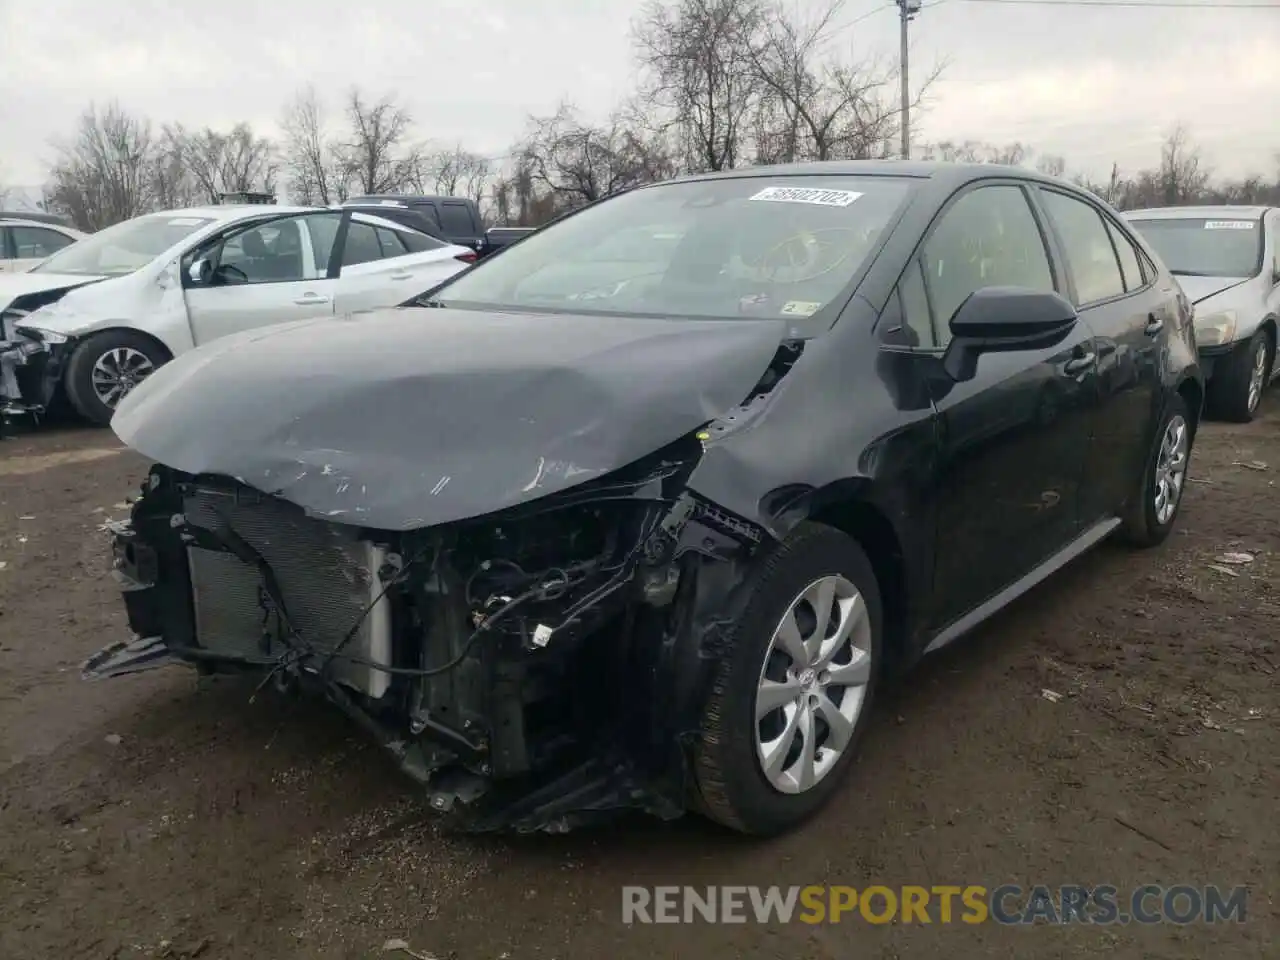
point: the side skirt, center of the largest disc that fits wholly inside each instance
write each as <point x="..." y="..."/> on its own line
<point x="1082" y="544"/>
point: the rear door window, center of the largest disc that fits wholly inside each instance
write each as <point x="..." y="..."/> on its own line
<point x="1130" y="259"/>
<point x="456" y="221"/>
<point x="362" y="244"/>
<point x="1087" y="244"/>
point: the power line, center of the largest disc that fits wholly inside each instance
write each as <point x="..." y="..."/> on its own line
<point x="1162" y="4"/>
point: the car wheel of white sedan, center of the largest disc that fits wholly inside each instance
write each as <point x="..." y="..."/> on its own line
<point x="105" y="368"/>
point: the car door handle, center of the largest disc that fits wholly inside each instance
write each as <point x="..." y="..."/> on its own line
<point x="1080" y="364"/>
<point x="1154" y="325"/>
<point x="311" y="299"/>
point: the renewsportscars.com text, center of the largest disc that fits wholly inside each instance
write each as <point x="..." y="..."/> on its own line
<point x="971" y="904"/>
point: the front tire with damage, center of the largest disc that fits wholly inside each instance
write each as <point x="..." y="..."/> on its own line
<point x="792" y="696"/>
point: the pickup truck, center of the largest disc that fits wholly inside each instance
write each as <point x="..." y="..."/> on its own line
<point x="454" y="220"/>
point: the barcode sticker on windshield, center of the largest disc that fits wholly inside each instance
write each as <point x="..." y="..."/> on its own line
<point x="1229" y="224"/>
<point x="823" y="198"/>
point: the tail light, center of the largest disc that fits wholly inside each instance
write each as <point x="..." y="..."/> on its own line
<point x="468" y="257"/>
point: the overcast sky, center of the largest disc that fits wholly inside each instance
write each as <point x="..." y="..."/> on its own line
<point x="1095" y="85"/>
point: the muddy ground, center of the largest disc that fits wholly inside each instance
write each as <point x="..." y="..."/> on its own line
<point x="149" y="817"/>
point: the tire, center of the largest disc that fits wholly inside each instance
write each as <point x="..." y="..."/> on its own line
<point x="138" y="353"/>
<point x="733" y="788"/>
<point x="1236" y="388"/>
<point x="1144" y="523"/>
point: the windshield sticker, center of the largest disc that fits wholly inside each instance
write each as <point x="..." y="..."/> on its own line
<point x="800" y="308"/>
<point x="1229" y="224"/>
<point x="185" y="222"/>
<point x="823" y="198"/>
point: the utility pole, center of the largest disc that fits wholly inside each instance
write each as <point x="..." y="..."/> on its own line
<point x="906" y="9"/>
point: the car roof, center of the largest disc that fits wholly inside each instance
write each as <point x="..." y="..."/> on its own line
<point x="233" y="211"/>
<point x="398" y="197"/>
<point x="944" y="174"/>
<point x="1198" y="213"/>
<point x="21" y="221"/>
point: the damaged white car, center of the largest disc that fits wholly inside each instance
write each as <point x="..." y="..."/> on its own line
<point x="97" y="318"/>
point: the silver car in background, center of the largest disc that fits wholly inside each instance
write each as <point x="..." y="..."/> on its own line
<point x="1227" y="260"/>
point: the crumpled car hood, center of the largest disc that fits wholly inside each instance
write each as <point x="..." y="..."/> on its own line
<point x="408" y="418"/>
<point x="16" y="285"/>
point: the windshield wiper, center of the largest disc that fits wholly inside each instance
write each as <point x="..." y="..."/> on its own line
<point x="1189" y="273"/>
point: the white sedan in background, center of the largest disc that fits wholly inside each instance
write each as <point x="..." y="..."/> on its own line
<point x="24" y="243"/>
<point x="100" y="316"/>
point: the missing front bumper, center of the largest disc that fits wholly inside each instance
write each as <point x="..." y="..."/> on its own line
<point x="30" y="373"/>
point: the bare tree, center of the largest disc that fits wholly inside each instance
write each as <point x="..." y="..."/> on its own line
<point x="172" y="185"/>
<point x="1010" y="154"/>
<point x="1051" y="165"/>
<point x="812" y="105"/>
<point x="696" y="57"/>
<point x="311" y="164"/>
<point x="1113" y="190"/>
<point x="577" y="163"/>
<point x="234" y="162"/>
<point x="1183" y="176"/>
<point x="102" y="176"/>
<point x="455" y="172"/>
<point x="377" y="157"/>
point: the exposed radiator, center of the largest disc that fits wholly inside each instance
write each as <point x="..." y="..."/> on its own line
<point x="327" y="579"/>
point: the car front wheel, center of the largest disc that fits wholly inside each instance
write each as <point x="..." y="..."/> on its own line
<point x="791" y="698"/>
<point x="105" y="368"/>
<point x="1236" y="389"/>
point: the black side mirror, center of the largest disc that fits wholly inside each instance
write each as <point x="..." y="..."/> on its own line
<point x="1004" y="320"/>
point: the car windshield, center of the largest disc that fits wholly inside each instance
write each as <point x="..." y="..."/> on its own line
<point x="124" y="248"/>
<point x="1205" y="247"/>
<point x="711" y="249"/>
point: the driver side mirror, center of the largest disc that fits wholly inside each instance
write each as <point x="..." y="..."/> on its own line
<point x="200" y="271"/>
<point x="1005" y="320"/>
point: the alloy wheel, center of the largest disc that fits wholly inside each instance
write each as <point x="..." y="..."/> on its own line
<point x="117" y="372"/>
<point x="813" y="684"/>
<point x="1171" y="468"/>
<point x="1257" y="375"/>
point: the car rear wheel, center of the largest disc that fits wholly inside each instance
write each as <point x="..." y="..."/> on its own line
<point x="1236" y="388"/>
<point x="106" y="367"/>
<point x="791" y="697"/>
<point x="1152" y="512"/>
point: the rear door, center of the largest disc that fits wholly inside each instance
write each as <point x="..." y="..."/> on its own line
<point x="1116" y="293"/>
<point x="384" y="263"/>
<point x="262" y="274"/>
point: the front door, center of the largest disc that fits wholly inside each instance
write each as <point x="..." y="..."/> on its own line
<point x="1013" y="439"/>
<point x="265" y="274"/>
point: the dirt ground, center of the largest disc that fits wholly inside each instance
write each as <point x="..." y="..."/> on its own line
<point x="151" y="816"/>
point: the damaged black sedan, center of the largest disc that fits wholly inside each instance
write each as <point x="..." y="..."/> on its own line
<point x="638" y="513"/>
